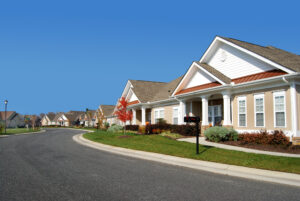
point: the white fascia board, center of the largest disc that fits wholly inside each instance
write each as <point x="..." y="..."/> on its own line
<point x="187" y="73"/>
<point x="126" y="89"/>
<point x="222" y="87"/>
<point x="211" y="75"/>
<point x="272" y="63"/>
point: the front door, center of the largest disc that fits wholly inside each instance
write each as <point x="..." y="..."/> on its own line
<point x="215" y="115"/>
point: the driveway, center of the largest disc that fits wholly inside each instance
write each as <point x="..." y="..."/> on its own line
<point x="51" y="166"/>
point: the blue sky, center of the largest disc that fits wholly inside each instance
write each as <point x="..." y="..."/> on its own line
<point x="71" y="55"/>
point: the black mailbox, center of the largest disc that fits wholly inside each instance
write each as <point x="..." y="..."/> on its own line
<point x="192" y="119"/>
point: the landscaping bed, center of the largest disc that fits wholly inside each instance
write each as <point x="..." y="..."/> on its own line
<point x="275" y="141"/>
<point x="265" y="147"/>
<point x="167" y="145"/>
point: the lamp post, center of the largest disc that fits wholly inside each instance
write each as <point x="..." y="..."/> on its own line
<point x="5" y="102"/>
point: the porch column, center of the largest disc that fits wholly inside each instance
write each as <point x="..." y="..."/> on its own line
<point x="226" y="109"/>
<point x="134" y="116"/>
<point x="204" y="110"/>
<point x="294" y="109"/>
<point x="182" y="111"/>
<point x="143" y="116"/>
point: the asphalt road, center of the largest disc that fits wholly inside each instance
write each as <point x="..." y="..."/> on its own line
<point x="51" y="166"/>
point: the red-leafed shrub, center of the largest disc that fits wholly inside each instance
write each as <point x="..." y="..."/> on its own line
<point x="276" y="138"/>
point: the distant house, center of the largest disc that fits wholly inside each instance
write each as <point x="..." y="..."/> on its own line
<point x="13" y="119"/>
<point x="48" y="119"/>
<point x="107" y="114"/>
<point x="67" y="119"/>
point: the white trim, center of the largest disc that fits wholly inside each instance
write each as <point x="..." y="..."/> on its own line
<point x="279" y="93"/>
<point x="294" y="108"/>
<point x="159" y="117"/>
<point x="217" y="38"/>
<point x="194" y="64"/>
<point x="238" y="105"/>
<point x="257" y="96"/>
<point x="175" y="108"/>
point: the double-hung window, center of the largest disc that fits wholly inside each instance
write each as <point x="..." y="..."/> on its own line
<point x="259" y="110"/>
<point x="175" y="115"/>
<point x="279" y="109"/>
<point x="242" y="111"/>
<point x="159" y="114"/>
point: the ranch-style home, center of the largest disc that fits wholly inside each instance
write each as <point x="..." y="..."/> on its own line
<point x="48" y="119"/>
<point x="67" y="119"/>
<point x="235" y="84"/>
<point x="106" y="113"/>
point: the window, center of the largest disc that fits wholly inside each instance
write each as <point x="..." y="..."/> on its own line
<point x="159" y="114"/>
<point x="215" y="114"/>
<point x="259" y="110"/>
<point x="242" y="111"/>
<point x="175" y="115"/>
<point x="279" y="109"/>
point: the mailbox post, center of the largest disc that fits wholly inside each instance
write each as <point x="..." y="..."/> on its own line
<point x="195" y="120"/>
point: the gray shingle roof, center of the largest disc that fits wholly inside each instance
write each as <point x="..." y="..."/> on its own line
<point x="149" y="91"/>
<point x="279" y="56"/>
<point x="107" y="109"/>
<point x="215" y="72"/>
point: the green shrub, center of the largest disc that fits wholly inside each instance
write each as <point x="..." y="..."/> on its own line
<point x="217" y="134"/>
<point x="115" y="128"/>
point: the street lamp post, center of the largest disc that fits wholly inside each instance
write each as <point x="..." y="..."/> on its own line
<point x="5" y="102"/>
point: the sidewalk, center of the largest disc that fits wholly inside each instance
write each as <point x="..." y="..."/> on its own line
<point x="231" y="170"/>
<point x="202" y="141"/>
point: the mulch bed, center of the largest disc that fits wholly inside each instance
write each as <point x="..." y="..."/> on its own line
<point x="266" y="147"/>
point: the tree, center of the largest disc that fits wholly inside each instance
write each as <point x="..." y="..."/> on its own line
<point x="100" y="118"/>
<point x="33" y="121"/>
<point x="122" y="113"/>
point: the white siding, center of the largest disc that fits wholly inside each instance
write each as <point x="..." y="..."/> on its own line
<point x="199" y="78"/>
<point x="132" y="97"/>
<point x="234" y="63"/>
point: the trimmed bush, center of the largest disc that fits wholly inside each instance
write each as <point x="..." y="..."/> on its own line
<point x="217" y="134"/>
<point x="115" y="128"/>
<point x="132" y="127"/>
<point x="186" y="130"/>
<point x="277" y="138"/>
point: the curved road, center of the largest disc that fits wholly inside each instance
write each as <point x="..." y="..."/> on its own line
<point x="51" y="166"/>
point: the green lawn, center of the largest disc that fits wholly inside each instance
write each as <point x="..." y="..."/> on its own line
<point x="165" y="145"/>
<point x="11" y="131"/>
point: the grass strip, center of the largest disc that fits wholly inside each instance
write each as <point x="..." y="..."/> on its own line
<point x="165" y="145"/>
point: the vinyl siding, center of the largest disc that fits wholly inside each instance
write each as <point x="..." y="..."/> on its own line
<point x="298" y="105"/>
<point x="269" y="109"/>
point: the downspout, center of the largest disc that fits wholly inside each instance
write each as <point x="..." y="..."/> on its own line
<point x="293" y="97"/>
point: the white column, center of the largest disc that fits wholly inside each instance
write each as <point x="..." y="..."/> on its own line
<point x="204" y="110"/>
<point x="182" y="112"/>
<point x="191" y="109"/>
<point x="294" y="109"/>
<point x="134" y="116"/>
<point x="143" y="116"/>
<point x="226" y="108"/>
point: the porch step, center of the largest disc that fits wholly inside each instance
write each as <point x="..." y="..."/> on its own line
<point x="296" y="140"/>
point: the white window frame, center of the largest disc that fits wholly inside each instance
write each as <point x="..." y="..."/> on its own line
<point x="159" y="117"/>
<point x="279" y="93"/>
<point x="175" y="108"/>
<point x="257" y="96"/>
<point x="238" y="105"/>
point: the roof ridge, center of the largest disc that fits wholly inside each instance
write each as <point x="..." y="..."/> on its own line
<point x="244" y="41"/>
<point x="147" y="81"/>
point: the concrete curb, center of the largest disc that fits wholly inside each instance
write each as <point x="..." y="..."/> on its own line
<point x="230" y="170"/>
<point x="236" y="148"/>
<point x="41" y="131"/>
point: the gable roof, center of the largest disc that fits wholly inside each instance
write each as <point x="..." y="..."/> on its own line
<point x="215" y="72"/>
<point x="51" y="116"/>
<point x="9" y="115"/>
<point x="279" y="56"/>
<point x="107" y="109"/>
<point x="73" y="115"/>
<point x="57" y="116"/>
<point x="149" y="91"/>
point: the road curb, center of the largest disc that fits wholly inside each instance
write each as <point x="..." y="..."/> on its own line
<point x="41" y="131"/>
<point x="224" y="169"/>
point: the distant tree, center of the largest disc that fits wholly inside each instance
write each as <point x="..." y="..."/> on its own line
<point x="122" y="113"/>
<point x="33" y="119"/>
<point x="100" y="118"/>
